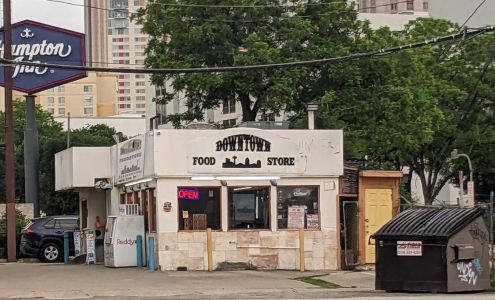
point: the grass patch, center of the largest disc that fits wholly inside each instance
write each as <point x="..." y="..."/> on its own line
<point x="318" y="282"/>
<point x="492" y="288"/>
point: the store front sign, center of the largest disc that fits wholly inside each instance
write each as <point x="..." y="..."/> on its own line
<point x="130" y="160"/>
<point x="245" y="153"/>
<point x="188" y="194"/>
<point x="40" y="43"/>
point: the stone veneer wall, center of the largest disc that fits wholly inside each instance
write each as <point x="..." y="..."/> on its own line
<point x="27" y="209"/>
<point x="262" y="249"/>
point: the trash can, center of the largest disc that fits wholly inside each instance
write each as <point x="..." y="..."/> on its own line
<point x="433" y="250"/>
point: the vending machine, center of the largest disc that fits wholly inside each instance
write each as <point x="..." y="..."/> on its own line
<point x="120" y="240"/>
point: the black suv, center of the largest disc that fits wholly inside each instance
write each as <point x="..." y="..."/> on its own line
<point x="44" y="237"/>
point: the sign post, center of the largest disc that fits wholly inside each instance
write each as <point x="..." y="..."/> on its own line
<point x="29" y="41"/>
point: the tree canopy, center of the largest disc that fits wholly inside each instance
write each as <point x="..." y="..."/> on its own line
<point x="407" y="110"/>
<point x="413" y="108"/>
<point x="52" y="139"/>
<point x="260" y="32"/>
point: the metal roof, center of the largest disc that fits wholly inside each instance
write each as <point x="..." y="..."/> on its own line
<point x="428" y="222"/>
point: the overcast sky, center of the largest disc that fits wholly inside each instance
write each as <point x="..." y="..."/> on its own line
<point x="57" y="14"/>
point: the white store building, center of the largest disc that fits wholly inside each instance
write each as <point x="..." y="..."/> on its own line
<point x="254" y="188"/>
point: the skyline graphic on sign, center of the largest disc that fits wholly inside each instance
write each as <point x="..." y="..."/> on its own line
<point x="37" y="42"/>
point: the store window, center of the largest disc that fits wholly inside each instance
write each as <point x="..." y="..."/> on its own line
<point x="298" y="207"/>
<point x="199" y="208"/>
<point x="88" y="89"/>
<point x="249" y="207"/>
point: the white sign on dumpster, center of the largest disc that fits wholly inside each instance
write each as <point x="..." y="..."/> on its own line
<point x="409" y="248"/>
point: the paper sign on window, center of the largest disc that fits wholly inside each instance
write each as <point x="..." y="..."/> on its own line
<point x="312" y="221"/>
<point x="296" y="217"/>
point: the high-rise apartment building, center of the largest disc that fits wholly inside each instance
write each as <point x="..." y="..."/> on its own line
<point x="392" y="6"/>
<point x="115" y="41"/>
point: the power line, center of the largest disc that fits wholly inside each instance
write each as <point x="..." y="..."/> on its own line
<point x="287" y="65"/>
<point x="473" y="13"/>
<point x="126" y="10"/>
<point x="295" y="5"/>
<point x="463" y="24"/>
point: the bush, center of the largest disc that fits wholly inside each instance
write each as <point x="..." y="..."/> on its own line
<point x="21" y="222"/>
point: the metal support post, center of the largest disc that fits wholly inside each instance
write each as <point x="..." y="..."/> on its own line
<point x="139" y="246"/>
<point x="31" y="156"/>
<point x="209" y="246"/>
<point x="152" y="253"/>
<point x="9" y="135"/>
<point x="66" y="247"/>
<point x="302" y="262"/>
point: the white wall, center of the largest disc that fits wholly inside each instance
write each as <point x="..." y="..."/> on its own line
<point x="317" y="152"/>
<point x="79" y="166"/>
<point x="396" y="22"/>
<point x="448" y="195"/>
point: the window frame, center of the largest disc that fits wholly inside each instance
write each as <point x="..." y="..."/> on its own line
<point x="270" y="225"/>
<point x="219" y="204"/>
<point x="318" y="190"/>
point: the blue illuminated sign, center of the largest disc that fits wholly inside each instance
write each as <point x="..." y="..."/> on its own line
<point x="41" y="43"/>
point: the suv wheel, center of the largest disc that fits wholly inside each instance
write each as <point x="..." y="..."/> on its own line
<point x="50" y="252"/>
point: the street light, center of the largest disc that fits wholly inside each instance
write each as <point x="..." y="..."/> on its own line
<point x="455" y="155"/>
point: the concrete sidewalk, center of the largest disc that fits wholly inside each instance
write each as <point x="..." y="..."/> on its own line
<point x="359" y="280"/>
<point x="59" y="281"/>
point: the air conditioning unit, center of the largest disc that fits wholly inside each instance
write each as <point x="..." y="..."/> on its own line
<point x="128" y="209"/>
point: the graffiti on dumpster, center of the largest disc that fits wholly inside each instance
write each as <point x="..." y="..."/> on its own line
<point x="477" y="233"/>
<point x="469" y="271"/>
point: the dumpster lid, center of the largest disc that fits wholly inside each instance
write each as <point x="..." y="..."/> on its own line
<point x="428" y="222"/>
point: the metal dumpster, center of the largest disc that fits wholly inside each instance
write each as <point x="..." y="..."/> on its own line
<point x="433" y="250"/>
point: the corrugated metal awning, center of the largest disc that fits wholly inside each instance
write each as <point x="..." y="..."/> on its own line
<point x="428" y="222"/>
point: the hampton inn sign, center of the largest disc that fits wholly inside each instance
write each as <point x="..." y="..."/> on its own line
<point x="40" y="43"/>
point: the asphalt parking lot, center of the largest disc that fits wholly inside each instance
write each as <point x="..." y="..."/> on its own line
<point x="59" y="281"/>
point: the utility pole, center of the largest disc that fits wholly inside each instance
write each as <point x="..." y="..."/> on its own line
<point x="9" y="135"/>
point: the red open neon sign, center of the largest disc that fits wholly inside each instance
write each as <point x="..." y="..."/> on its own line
<point x="188" y="194"/>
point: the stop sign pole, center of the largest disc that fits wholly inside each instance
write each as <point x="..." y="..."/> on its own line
<point x="9" y="137"/>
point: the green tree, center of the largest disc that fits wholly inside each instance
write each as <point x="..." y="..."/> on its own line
<point x="414" y="107"/>
<point x="52" y="139"/>
<point x="21" y="222"/>
<point x="262" y="32"/>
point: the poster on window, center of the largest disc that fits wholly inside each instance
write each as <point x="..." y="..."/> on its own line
<point x="296" y="217"/>
<point x="312" y="221"/>
<point x="131" y="160"/>
<point x="245" y="205"/>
